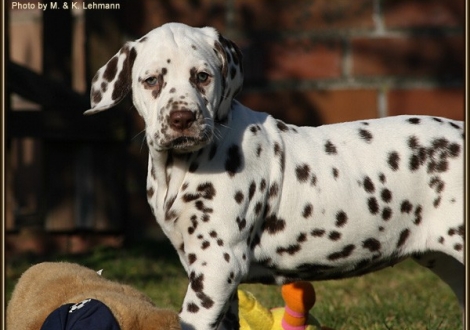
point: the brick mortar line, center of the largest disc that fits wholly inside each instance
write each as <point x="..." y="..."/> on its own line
<point x="382" y="104"/>
<point x="339" y="34"/>
<point x="346" y="59"/>
<point x="377" y="17"/>
<point x="379" y="83"/>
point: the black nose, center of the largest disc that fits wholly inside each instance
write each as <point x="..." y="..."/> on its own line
<point x="181" y="119"/>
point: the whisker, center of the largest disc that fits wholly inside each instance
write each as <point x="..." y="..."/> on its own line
<point x="143" y="139"/>
<point x="142" y="143"/>
<point x="135" y="136"/>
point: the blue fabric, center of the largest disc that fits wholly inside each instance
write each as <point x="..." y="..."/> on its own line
<point x="90" y="314"/>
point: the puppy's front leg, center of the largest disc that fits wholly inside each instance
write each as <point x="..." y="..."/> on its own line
<point x="231" y="320"/>
<point x="211" y="300"/>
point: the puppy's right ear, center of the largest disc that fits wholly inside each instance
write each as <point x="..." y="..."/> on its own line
<point x="113" y="81"/>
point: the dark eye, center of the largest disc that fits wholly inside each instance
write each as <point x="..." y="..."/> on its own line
<point x="151" y="81"/>
<point x="202" y="77"/>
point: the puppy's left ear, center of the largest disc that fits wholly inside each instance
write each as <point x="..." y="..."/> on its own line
<point x="232" y="73"/>
<point x="113" y="81"/>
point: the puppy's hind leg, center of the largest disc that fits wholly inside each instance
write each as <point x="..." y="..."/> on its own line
<point x="448" y="269"/>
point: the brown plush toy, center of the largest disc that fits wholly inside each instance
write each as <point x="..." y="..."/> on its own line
<point x="47" y="286"/>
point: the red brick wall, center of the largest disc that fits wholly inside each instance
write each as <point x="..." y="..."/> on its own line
<point x="308" y="62"/>
<point x="317" y="62"/>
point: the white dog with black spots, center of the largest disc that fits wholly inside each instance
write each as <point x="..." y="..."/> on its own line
<point x="244" y="197"/>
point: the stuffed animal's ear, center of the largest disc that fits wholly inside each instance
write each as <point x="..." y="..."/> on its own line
<point x="113" y="81"/>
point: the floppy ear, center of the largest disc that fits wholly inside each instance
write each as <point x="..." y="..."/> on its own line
<point x="232" y="73"/>
<point x="113" y="81"/>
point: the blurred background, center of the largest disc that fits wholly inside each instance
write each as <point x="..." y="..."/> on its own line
<point x="76" y="182"/>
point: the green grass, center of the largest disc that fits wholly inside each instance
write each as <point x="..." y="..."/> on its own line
<point x="406" y="296"/>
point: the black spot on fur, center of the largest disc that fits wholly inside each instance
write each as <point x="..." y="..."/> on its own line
<point x="454" y="125"/>
<point x="413" y="142"/>
<point x="190" y="197"/>
<point x="335" y="172"/>
<point x="197" y="282"/>
<point x="111" y="69"/>
<point x="251" y="190"/>
<point x="414" y="163"/>
<point x="454" y="150"/>
<point x="96" y="95"/>
<point x="258" y="208"/>
<point x="308" y="209"/>
<point x="365" y="135"/>
<point x="313" y="180"/>
<point x="341" y="218"/>
<point x="273" y="224"/>
<point x="282" y="126"/>
<point x="302" y="172"/>
<point x="403" y="237"/>
<point x="192" y="258"/>
<point x="372" y="244"/>
<point x="194" y="224"/>
<point x="254" y="129"/>
<point x="193" y="167"/>
<point x="418" y="216"/>
<point x="206" y="302"/>
<point x="273" y="190"/>
<point x="414" y="121"/>
<point x="368" y="185"/>
<point x="291" y="249"/>
<point x="373" y="205"/>
<point x="386" y="213"/>
<point x="233" y="162"/>
<point x="280" y="153"/>
<point x="259" y="149"/>
<point x="406" y="207"/>
<point x="330" y="148"/>
<point x="206" y="190"/>
<point x="302" y="237"/>
<point x="317" y="232"/>
<point x="334" y="235"/>
<point x="241" y="223"/>
<point x="201" y="207"/>
<point x="192" y="308"/>
<point x="344" y="253"/>
<point x="239" y="197"/>
<point x="122" y="85"/>
<point x="386" y="195"/>
<point x="382" y="178"/>
<point x="393" y="160"/>
<point x="262" y="185"/>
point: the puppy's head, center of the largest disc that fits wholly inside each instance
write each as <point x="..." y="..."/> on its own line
<point x="183" y="80"/>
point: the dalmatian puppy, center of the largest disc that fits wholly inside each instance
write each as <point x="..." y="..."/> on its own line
<point x="244" y="197"/>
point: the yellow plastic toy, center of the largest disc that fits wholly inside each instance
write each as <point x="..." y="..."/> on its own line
<point x="299" y="298"/>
